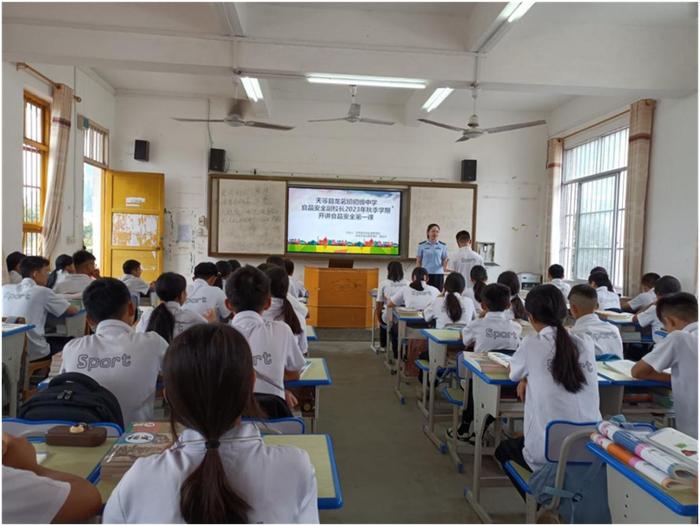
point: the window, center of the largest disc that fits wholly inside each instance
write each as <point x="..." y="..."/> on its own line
<point x="95" y="142"/>
<point x="592" y="218"/>
<point x="35" y="159"/>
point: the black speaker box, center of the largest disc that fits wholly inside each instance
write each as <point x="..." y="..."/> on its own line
<point x="141" y="150"/>
<point x="469" y="170"/>
<point x="217" y="160"/>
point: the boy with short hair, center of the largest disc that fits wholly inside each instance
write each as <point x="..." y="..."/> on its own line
<point x="664" y="286"/>
<point x="583" y="302"/>
<point x="13" y="261"/>
<point x="465" y="258"/>
<point x="32" y="300"/>
<point x="85" y="272"/>
<point x="679" y="351"/>
<point x="123" y="361"/>
<point x="132" y="278"/>
<point x="556" y="278"/>
<point x="644" y="298"/>
<point x="296" y="287"/>
<point x="203" y="296"/>
<point x="276" y="353"/>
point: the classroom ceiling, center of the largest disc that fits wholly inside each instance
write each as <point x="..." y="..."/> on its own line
<point x="557" y="51"/>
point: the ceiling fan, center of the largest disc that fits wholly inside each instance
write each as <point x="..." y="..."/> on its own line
<point x="354" y="113"/>
<point x="235" y="119"/>
<point x="472" y="131"/>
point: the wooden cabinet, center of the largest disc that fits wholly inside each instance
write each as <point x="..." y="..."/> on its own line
<point x="340" y="297"/>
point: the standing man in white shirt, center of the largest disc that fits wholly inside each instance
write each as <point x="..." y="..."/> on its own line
<point x="465" y="258"/>
<point x="202" y="295"/>
<point x="583" y="301"/>
<point x="85" y="273"/>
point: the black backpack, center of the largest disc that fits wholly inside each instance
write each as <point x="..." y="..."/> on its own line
<point x="74" y="397"/>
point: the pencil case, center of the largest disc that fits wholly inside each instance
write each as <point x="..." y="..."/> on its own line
<point x="79" y="435"/>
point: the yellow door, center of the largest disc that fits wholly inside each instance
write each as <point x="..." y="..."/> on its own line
<point x="132" y="226"/>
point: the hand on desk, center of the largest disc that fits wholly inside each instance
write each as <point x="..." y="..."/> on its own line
<point x="522" y="387"/>
<point x="292" y="401"/>
<point x="18" y="453"/>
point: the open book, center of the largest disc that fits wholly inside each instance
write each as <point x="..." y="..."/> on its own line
<point x="625" y="367"/>
<point x="615" y="317"/>
<point x="683" y="447"/>
<point x="307" y="364"/>
<point x="500" y="358"/>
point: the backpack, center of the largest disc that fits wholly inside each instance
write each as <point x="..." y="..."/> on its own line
<point x="74" y="397"/>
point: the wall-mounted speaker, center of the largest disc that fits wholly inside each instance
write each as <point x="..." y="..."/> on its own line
<point x="141" y="149"/>
<point x="469" y="170"/>
<point x="217" y="160"/>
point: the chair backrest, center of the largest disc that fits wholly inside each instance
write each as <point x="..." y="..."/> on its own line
<point x="14" y="319"/>
<point x="577" y="433"/>
<point x="28" y="428"/>
<point x="282" y="426"/>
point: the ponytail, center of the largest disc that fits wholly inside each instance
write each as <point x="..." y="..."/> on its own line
<point x="52" y="278"/>
<point x="290" y="316"/>
<point x="169" y="286"/>
<point x="479" y="276"/>
<point x="279" y="287"/>
<point x="601" y="279"/>
<point x="454" y="286"/>
<point x="516" y="304"/>
<point x="62" y="262"/>
<point x="162" y="321"/>
<point x="417" y="278"/>
<point x="510" y="280"/>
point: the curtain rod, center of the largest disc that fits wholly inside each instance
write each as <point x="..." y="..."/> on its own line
<point x="596" y="124"/>
<point x="23" y="65"/>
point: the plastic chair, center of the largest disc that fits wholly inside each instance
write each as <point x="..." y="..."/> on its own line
<point x="279" y="426"/>
<point x="38" y="428"/>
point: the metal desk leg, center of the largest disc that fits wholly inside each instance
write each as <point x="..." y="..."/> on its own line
<point x="314" y="421"/>
<point x="389" y="358"/>
<point x="437" y="358"/>
<point x="399" y="361"/>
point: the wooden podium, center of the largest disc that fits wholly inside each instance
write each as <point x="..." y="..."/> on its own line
<point x="339" y="297"/>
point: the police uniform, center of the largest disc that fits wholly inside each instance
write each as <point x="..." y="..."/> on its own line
<point x="492" y="332"/>
<point x="437" y="310"/>
<point x="606" y="337"/>
<point x="184" y="319"/>
<point x="433" y="256"/>
<point x="202" y="297"/>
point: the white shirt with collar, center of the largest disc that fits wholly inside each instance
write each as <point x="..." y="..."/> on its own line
<point x="387" y="288"/>
<point x="15" y="277"/>
<point x="606" y="337"/>
<point x="464" y="261"/>
<point x="649" y="317"/>
<point x="274" y="349"/>
<point x="679" y="351"/>
<point x="73" y="284"/>
<point x="184" y="319"/>
<point x="469" y="293"/>
<point x="274" y="313"/>
<point x="546" y="400"/>
<point x="202" y="297"/>
<point x="135" y="285"/>
<point x="33" y="302"/>
<point x="123" y="361"/>
<point x="277" y="482"/>
<point x="60" y="276"/>
<point x="563" y="286"/>
<point x="415" y="299"/>
<point x="643" y="299"/>
<point x="492" y="332"/>
<point x="28" y="498"/>
<point x="296" y="288"/>
<point x="437" y="310"/>
<point x="607" y="299"/>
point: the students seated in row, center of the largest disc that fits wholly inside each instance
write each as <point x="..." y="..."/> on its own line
<point x="220" y="471"/>
<point x="387" y="288"/>
<point x="121" y="360"/>
<point x="450" y="307"/>
<point x="32" y="300"/>
<point x="281" y="309"/>
<point x="12" y="261"/>
<point x="34" y="494"/>
<point x="417" y="295"/>
<point x="664" y="286"/>
<point x="64" y="266"/>
<point x="466" y="258"/>
<point x="224" y="270"/>
<point x="84" y="275"/>
<point x="203" y="296"/>
<point x="607" y="297"/>
<point x="276" y="353"/>
<point x="679" y="351"/>
<point x="169" y="318"/>
<point x="301" y="309"/>
<point x="478" y="278"/>
<point x="510" y="280"/>
<point x="132" y="278"/>
<point x="556" y="277"/>
<point x="557" y="378"/>
<point x="645" y="298"/>
<point x="583" y="302"/>
<point x="296" y="287"/>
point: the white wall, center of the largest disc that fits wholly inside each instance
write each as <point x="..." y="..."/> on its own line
<point x="97" y="104"/>
<point x="510" y="165"/>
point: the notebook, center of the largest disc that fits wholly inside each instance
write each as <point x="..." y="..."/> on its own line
<point x="500" y="358"/>
<point x="683" y="447"/>
<point x="625" y="367"/>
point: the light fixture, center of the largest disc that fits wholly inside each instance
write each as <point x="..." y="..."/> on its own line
<point x="520" y="10"/>
<point x="252" y="88"/>
<point x="360" y="80"/>
<point x="438" y="96"/>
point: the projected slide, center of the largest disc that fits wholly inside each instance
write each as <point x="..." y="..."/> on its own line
<point x="343" y="221"/>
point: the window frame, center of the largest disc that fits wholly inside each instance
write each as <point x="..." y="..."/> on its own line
<point x="105" y="144"/>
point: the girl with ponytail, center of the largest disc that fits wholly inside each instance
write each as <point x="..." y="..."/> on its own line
<point x="281" y="309"/>
<point x="510" y="280"/>
<point x="451" y="307"/>
<point x="557" y="374"/>
<point x="607" y="298"/>
<point x="64" y="266"/>
<point x="219" y="470"/>
<point x="417" y="294"/>
<point x="478" y="277"/>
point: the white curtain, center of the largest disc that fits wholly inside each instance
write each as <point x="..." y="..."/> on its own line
<point x="555" y="151"/>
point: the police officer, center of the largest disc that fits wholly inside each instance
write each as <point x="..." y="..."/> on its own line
<point x="432" y="255"/>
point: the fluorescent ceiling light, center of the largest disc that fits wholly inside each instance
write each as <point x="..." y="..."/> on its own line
<point x="520" y="10"/>
<point x="252" y="88"/>
<point x="438" y="96"/>
<point x="359" y="80"/>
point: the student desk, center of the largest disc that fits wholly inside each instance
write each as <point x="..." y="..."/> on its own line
<point x="14" y="342"/>
<point x="629" y="331"/>
<point x="633" y="498"/>
<point x="72" y="325"/>
<point x="405" y="317"/>
<point x="402" y="316"/>
<point x="315" y="376"/>
<point x="81" y="461"/>
<point x="320" y="450"/>
<point x="311" y="334"/>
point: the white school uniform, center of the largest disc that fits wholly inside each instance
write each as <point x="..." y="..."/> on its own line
<point x="546" y="400"/>
<point x="73" y="284"/>
<point x="184" y="319"/>
<point x="437" y="311"/>
<point x="202" y="297"/>
<point x="649" y="317"/>
<point x="123" y="361"/>
<point x="606" y="337"/>
<point x="28" y="498"/>
<point x="415" y="299"/>
<point x="607" y="299"/>
<point x="274" y="350"/>
<point x="464" y="261"/>
<point x="274" y="313"/>
<point x="386" y="290"/>
<point x="33" y="302"/>
<point x="492" y="332"/>
<point x="563" y="286"/>
<point x="277" y="482"/>
<point x="15" y="277"/>
<point x="301" y="309"/>
<point x="296" y="288"/>
<point x="135" y="285"/>
<point x="679" y="351"/>
<point x="469" y="293"/>
<point x="643" y="299"/>
<point x="60" y="276"/>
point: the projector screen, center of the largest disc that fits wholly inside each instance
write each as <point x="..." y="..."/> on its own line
<point x="343" y="221"/>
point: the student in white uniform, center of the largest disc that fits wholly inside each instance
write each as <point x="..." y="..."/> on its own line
<point x="121" y="360"/>
<point x="517" y="309"/>
<point x="556" y="278"/>
<point x="169" y="318"/>
<point x="85" y="273"/>
<point x="558" y="378"/>
<point x="202" y="295"/>
<point x="466" y="258"/>
<point x="301" y="309"/>
<point x="679" y="351"/>
<point x="281" y="309"/>
<point x="220" y="470"/>
<point x="387" y="288"/>
<point x="664" y="286"/>
<point x="132" y="278"/>
<point x="478" y="278"/>
<point x="417" y="295"/>
<point x="64" y="266"/>
<point x="276" y="353"/>
<point x="583" y="301"/>
<point x="32" y="300"/>
<point x="34" y="494"/>
<point x="13" y="261"/>
<point x="296" y="287"/>
<point x="450" y="308"/>
<point x="607" y="297"/>
<point x="224" y="270"/>
<point x="644" y="298"/>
